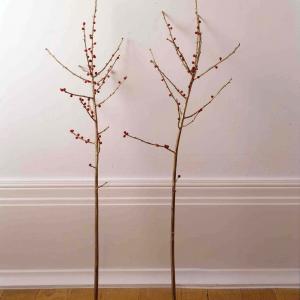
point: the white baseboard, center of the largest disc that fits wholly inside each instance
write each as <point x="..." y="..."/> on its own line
<point x="229" y="232"/>
<point x="151" y="277"/>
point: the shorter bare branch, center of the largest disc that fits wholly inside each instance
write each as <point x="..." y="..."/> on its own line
<point x="167" y="147"/>
<point x="221" y="60"/>
<point x="102" y="185"/>
<point x="213" y="97"/>
<point x="64" y="66"/>
<point x="102" y="131"/>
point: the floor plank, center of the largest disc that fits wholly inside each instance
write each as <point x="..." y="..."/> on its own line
<point x="193" y="294"/>
<point x="80" y="294"/>
<point x="19" y="294"/>
<point x="224" y="294"/>
<point x="120" y="293"/>
<point x="157" y="294"/>
<point x="151" y="294"/>
<point x="287" y="294"/>
<point x="261" y="294"/>
<point x="52" y="294"/>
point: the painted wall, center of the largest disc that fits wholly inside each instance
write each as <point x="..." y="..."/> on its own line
<point x="252" y="130"/>
<point x="241" y="231"/>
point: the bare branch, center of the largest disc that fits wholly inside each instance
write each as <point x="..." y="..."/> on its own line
<point x="167" y="147"/>
<point x="103" y="185"/>
<point x="221" y="60"/>
<point x="213" y="97"/>
<point x="102" y="131"/>
<point x="64" y="66"/>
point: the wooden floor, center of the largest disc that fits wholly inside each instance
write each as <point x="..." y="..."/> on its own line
<point x="152" y="294"/>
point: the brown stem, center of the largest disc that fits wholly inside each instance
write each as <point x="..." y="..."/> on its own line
<point x="97" y="153"/>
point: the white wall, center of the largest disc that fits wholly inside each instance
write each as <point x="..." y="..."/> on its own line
<point x="250" y="132"/>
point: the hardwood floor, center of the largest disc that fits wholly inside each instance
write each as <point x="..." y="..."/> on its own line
<point x="152" y="294"/>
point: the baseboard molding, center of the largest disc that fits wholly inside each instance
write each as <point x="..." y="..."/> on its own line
<point x="240" y="224"/>
<point x="151" y="192"/>
<point x="151" y="277"/>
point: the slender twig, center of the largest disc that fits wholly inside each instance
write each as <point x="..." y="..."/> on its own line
<point x="213" y="97"/>
<point x="64" y="66"/>
<point x="172" y="40"/>
<point x="103" y="185"/>
<point x="167" y="147"/>
<point x="171" y="94"/>
<point x="63" y="90"/>
<point x="221" y="60"/>
<point x="103" y="130"/>
<point x="79" y="137"/>
<point x="163" y="74"/>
